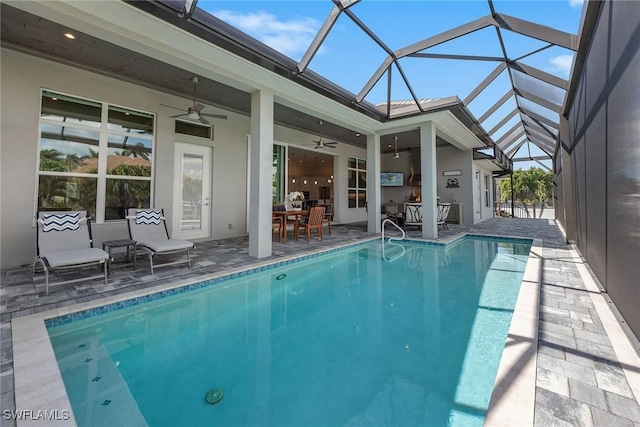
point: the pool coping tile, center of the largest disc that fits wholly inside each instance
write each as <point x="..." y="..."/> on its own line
<point x="513" y="398"/>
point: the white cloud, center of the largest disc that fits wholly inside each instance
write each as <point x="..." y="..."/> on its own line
<point x="288" y="37"/>
<point x="576" y="3"/>
<point x="562" y="63"/>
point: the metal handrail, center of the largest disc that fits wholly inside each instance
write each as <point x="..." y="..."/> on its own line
<point x="387" y="220"/>
<point x="384" y="255"/>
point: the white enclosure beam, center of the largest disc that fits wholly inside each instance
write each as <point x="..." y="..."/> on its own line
<point x="429" y="181"/>
<point x="374" y="197"/>
<point x="261" y="169"/>
<point x="537" y="31"/>
<point x="483" y="84"/>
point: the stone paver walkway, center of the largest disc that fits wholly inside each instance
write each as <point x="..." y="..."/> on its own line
<point x="580" y="380"/>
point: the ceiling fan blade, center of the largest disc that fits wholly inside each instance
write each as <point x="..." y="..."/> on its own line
<point x="203" y="120"/>
<point x="198" y="107"/>
<point x="178" y="115"/>
<point x="217" y="116"/>
<point x="171" y="106"/>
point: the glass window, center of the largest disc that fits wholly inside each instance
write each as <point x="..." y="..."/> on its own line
<point x="277" y="175"/>
<point x="128" y="155"/>
<point x="67" y="192"/>
<point x="71" y="110"/>
<point x="125" y="120"/>
<point x="73" y="137"/>
<point x="65" y="149"/>
<point x="357" y="182"/>
<point x="193" y="129"/>
<point x="487" y="181"/>
<point x="125" y="193"/>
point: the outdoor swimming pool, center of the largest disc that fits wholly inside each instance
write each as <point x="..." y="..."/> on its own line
<point x="345" y="338"/>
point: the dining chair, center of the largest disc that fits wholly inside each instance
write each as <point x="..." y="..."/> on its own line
<point x="328" y="216"/>
<point x="313" y="221"/>
<point x="276" y="224"/>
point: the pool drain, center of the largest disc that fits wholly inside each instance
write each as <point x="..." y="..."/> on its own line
<point x="214" y="396"/>
<point x="281" y="276"/>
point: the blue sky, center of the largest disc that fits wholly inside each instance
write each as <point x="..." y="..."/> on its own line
<point x="349" y="57"/>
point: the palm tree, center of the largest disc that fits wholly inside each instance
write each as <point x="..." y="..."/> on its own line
<point x="532" y="186"/>
<point x="51" y="160"/>
<point x="72" y="161"/>
<point x="137" y="150"/>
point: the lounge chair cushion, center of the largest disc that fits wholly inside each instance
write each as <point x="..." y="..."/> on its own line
<point x="73" y="257"/>
<point x="168" y="245"/>
<point x="148" y="216"/>
<point x="60" y="222"/>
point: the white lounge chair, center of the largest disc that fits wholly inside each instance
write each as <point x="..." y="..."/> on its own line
<point x="443" y="213"/>
<point x="64" y="240"/>
<point x="149" y="229"/>
<point x="413" y="214"/>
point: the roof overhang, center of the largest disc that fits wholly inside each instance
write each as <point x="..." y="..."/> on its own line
<point x="205" y="46"/>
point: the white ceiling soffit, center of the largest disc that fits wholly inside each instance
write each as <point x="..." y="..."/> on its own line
<point x="125" y="25"/>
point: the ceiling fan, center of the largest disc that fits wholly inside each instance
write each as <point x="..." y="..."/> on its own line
<point x="396" y="154"/>
<point x="322" y="144"/>
<point x="194" y="112"/>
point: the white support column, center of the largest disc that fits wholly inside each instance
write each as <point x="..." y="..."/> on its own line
<point x="373" y="184"/>
<point x="260" y="183"/>
<point x="428" y="167"/>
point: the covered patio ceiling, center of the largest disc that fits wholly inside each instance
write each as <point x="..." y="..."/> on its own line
<point x="537" y="96"/>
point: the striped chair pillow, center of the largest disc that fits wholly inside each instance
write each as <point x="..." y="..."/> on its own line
<point x="148" y="217"/>
<point x="61" y="222"/>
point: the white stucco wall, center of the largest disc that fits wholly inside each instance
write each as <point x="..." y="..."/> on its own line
<point x="23" y="76"/>
<point x="450" y="158"/>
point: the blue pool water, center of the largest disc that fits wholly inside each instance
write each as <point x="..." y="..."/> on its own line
<point x="340" y="339"/>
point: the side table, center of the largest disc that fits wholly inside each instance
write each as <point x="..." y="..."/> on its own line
<point x="129" y="244"/>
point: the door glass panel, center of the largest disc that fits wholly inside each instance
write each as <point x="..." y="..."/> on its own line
<point x="277" y="175"/>
<point x="192" y="174"/>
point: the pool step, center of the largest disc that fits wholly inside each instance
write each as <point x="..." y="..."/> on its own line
<point x="99" y="394"/>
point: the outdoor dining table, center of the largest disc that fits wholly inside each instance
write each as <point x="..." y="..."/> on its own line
<point x="286" y="214"/>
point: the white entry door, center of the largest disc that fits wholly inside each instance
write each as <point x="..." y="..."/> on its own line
<point x="192" y="190"/>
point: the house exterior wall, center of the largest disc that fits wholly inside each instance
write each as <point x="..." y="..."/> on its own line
<point x="604" y="134"/>
<point x="23" y="76"/>
<point x="451" y="158"/>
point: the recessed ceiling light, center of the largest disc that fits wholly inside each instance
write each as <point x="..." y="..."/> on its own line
<point x="357" y="134"/>
<point x="54" y="99"/>
<point x="70" y="36"/>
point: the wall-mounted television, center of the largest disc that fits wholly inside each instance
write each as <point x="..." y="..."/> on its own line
<point x="391" y="179"/>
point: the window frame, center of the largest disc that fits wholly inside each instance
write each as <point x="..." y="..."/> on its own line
<point x="487" y="195"/>
<point x="358" y="190"/>
<point x="101" y="177"/>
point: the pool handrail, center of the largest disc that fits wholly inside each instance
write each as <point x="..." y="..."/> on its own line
<point x="389" y="221"/>
<point x="400" y="255"/>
